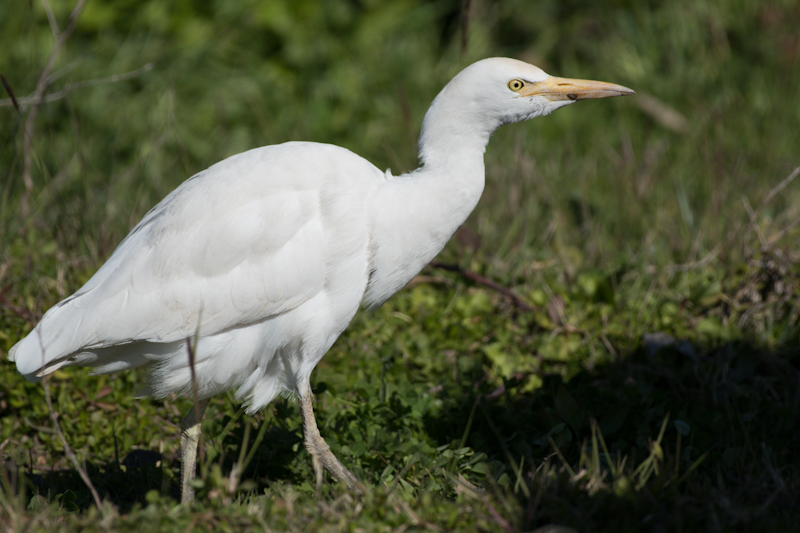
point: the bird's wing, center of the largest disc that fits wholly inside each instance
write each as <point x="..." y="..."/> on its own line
<point x="235" y="244"/>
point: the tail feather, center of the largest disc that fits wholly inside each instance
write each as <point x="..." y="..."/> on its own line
<point x="29" y="356"/>
<point x="34" y="365"/>
<point x="53" y="343"/>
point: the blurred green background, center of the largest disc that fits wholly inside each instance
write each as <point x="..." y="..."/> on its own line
<point x="228" y="76"/>
<point x="613" y="218"/>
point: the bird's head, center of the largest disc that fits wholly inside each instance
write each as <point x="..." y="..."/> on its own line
<point x="498" y="91"/>
<point x="511" y="90"/>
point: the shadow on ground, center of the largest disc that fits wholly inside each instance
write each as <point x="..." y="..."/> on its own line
<point x="726" y="458"/>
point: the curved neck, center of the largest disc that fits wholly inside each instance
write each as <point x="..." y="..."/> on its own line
<point x="414" y="215"/>
<point x="453" y="128"/>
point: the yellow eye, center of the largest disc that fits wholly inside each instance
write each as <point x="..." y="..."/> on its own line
<point x="516" y="85"/>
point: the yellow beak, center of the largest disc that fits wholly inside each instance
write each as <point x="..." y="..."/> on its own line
<point x="555" y="89"/>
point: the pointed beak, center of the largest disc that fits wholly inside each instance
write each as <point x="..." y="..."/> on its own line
<point x="556" y="89"/>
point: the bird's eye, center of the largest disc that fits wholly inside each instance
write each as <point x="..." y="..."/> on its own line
<point x="516" y="85"/>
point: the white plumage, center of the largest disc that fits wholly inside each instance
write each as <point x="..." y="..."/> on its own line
<point x="268" y="255"/>
<point x="265" y="252"/>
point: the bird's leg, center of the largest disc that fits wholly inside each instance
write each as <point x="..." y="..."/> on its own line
<point x="190" y="437"/>
<point x="320" y="452"/>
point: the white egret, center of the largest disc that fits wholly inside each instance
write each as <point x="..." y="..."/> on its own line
<point x="266" y="256"/>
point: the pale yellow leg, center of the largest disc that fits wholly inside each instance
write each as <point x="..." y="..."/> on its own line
<point x="190" y="437"/>
<point x="321" y="454"/>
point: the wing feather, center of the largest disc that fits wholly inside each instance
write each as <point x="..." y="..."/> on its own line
<point x="238" y="243"/>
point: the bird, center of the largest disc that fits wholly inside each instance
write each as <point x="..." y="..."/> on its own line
<point x="244" y="276"/>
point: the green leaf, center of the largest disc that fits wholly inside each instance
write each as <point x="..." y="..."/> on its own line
<point x="37" y="503"/>
<point x="66" y="501"/>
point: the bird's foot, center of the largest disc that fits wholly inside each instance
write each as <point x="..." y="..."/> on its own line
<point x="321" y="453"/>
<point x="323" y="457"/>
<point x="190" y="438"/>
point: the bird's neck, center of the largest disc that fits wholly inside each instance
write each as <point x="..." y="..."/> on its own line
<point x="416" y="214"/>
<point x="452" y="142"/>
<point x="452" y="129"/>
<point x="448" y="185"/>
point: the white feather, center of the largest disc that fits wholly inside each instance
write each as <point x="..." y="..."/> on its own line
<point x="266" y="256"/>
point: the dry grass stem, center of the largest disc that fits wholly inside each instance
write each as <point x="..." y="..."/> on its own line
<point x="41" y="86"/>
<point x="67" y="449"/>
<point x="58" y="95"/>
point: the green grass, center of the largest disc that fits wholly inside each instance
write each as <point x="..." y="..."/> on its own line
<point x="458" y="409"/>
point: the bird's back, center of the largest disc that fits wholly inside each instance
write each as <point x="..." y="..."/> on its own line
<point x="247" y="241"/>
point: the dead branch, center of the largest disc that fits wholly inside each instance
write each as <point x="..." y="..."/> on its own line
<point x="195" y="396"/>
<point x="28" y="316"/>
<point x="477" y="278"/>
<point x="666" y="115"/>
<point x="67" y="449"/>
<point x="685" y="267"/>
<point x="766" y="244"/>
<point x="752" y="225"/>
<point x="12" y="99"/>
<point x="41" y="86"/>
<point x="58" y="95"/>
<point x="778" y="236"/>
<point x="778" y="188"/>
<point x="465" y="19"/>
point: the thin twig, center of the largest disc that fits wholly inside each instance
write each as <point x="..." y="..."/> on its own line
<point x="465" y="20"/>
<point x="517" y="470"/>
<point x="752" y="225"/>
<point x="51" y="18"/>
<point x="685" y="267"/>
<point x="9" y="487"/>
<point x="778" y="188"/>
<point x="778" y="236"/>
<point x="766" y="244"/>
<point x="609" y="347"/>
<point x="666" y="115"/>
<point x="477" y="278"/>
<point x="28" y="316"/>
<point x="58" y="95"/>
<point x="70" y="454"/>
<point x="194" y="380"/>
<point x="41" y="86"/>
<point x="195" y="395"/>
<point x="12" y="99"/>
